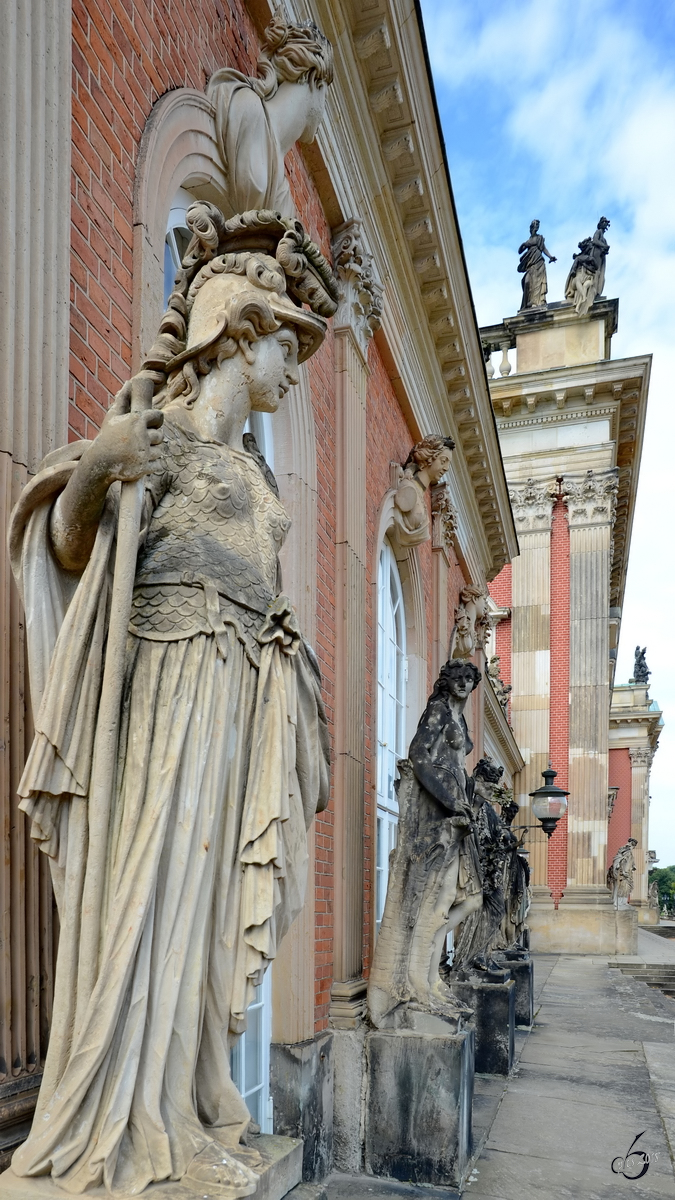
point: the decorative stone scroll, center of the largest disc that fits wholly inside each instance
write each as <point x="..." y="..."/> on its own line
<point x="591" y="500"/>
<point x="361" y="295"/>
<point x="532" y="504"/>
<point x="444" y="518"/>
<point x="472" y="622"/>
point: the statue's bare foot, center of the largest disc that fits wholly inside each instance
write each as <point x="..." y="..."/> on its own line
<point x="443" y="999"/>
<point x="221" y="1173"/>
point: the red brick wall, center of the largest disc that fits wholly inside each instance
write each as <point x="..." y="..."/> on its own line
<point x="559" y="742"/>
<point x="620" y="775"/>
<point x="500" y="590"/>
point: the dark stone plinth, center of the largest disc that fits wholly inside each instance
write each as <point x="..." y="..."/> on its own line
<point x="418" y="1107"/>
<point x="522" y="972"/>
<point x="494" y="1005"/>
<point x="301" y="1083"/>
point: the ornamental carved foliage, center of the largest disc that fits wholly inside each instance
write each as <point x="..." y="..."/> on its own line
<point x="444" y="518"/>
<point x="591" y="500"/>
<point x="360" y="304"/>
<point x="641" y="756"/>
<point x="532" y="504"/>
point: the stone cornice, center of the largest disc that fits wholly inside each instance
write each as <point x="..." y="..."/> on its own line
<point x="381" y="140"/>
<point x="532" y="503"/>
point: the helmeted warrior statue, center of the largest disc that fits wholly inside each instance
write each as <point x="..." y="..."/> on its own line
<point x="174" y="816"/>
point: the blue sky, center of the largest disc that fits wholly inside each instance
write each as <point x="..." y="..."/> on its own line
<point x="564" y="110"/>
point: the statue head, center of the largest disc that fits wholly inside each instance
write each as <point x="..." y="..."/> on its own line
<point x="241" y="284"/>
<point x="603" y="224"/>
<point x="631" y="842"/>
<point x="298" y="55"/>
<point x="431" y="458"/>
<point x="534" y="227"/>
<point x="458" y="678"/>
<point x="489" y="770"/>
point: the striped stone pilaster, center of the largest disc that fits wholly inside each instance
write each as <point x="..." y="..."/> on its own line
<point x="640" y="761"/>
<point x="355" y="322"/>
<point x="530" y="651"/>
<point x="591" y="503"/>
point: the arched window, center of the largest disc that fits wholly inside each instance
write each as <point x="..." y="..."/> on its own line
<point x="177" y="239"/>
<point x="391" y="686"/>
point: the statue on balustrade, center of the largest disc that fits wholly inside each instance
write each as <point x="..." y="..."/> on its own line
<point x="174" y="772"/>
<point x="586" y="279"/>
<point x="621" y="874"/>
<point x="424" y="467"/>
<point x="479" y="937"/>
<point x="258" y="120"/>
<point x="435" y="878"/>
<point x="641" y="671"/>
<point x="532" y="267"/>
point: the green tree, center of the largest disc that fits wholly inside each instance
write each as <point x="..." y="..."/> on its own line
<point x="665" y="878"/>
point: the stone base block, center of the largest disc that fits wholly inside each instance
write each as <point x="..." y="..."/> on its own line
<point x="494" y="1006"/>
<point x="280" y="1173"/>
<point x="418" y="1106"/>
<point x="522" y="973"/>
<point x="584" y="923"/>
<point x="349" y="1057"/>
<point x="301" y="1083"/>
<point x="648" y="916"/>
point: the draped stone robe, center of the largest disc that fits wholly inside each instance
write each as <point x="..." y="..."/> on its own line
<point x="170" y="915"/>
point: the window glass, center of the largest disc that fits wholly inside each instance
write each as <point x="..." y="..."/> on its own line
<point x="250" y="1058"/>
<point x="391" y="701"/>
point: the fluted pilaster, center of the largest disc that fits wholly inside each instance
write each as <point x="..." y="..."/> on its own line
<point x="641" y="761"/>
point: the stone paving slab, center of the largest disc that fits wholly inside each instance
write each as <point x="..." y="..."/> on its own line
<point x="501" y="1176"/>
<point x="363" y="1187"/>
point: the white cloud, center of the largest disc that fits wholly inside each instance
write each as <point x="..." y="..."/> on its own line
<point x="578" y="105"/>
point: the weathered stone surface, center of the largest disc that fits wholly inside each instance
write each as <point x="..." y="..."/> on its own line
<point x="301" y="1083"/>
<point x="494" y="1006"/>
<point x="281" y="1170"/>
<point x="349" y="1077"/>
<point x="522" y="973"/>
<point x="583" y="923"/>
<point x="418" y="1106"/>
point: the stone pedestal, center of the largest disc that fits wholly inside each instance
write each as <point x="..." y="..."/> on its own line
<point x="280" y="1173"/>
<point x="301" y="1083"/>
<point x="494" y="1006"/>
<point x="522" y="974"/>
<point x="418" y="1106"/>
<point x="585" y="922"/>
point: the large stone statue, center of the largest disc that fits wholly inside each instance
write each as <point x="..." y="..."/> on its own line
<point x="479" y="934"/>
<point x="434" y="880"/>
<point x="178" y="870"/>
<point x="586" y="279"/>
<point x="621" y="874"/>
<point x="532" y="267"/>
<point x="259" y="120"/>
<point x="641" y="671"/>
<point x="517" y="893"/>
<point x="426" y="464"/>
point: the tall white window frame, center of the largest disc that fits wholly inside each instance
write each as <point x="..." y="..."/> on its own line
<point x="250" y="1058"/>
<point x="392" y="672"/>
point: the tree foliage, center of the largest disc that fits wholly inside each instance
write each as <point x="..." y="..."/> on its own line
<point x="665" y="878"/>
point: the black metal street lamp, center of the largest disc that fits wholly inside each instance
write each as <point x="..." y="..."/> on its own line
<point x="549" y="803"/>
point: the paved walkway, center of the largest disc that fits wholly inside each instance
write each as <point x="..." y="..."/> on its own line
<point x="597" y="1069"/>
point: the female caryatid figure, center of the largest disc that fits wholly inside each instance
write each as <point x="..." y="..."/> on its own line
<point x="435" y="880"/>
<point x="173" y="908"/>
<point x="533" y="269"/>
<point x="259" y="119"/>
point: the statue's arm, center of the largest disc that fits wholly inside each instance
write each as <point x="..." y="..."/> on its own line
<point x="128" y="447"/>
<point x="549" y="256"/>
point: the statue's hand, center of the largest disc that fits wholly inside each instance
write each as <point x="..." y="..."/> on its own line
<point x="129" y="444"/>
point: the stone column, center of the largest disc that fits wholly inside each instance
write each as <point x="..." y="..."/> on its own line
<point x="443" y="532"/>
<point x="641" y="761"/>
<point x="531" y="654"/>
<point x="354" y="323"/>
<point x="591" y="503"/>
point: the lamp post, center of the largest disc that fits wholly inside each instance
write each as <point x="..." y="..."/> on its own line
<point x="549" y="803"/>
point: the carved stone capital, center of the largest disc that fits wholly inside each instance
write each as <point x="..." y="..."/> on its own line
<point x="444" y="518"/>
<point x="591" y="498"/>
<point x="532" y="504"/>
<point x="360" y="306"/>
<point x="641" y="756"/>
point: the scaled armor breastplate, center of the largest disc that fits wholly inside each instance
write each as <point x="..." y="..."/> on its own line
<point x="211" y="549"/>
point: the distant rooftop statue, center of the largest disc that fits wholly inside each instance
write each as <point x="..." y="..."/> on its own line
<point x="641" y="671"/>
<point x="533" y="269"/>
<point x="586" y="279"/>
